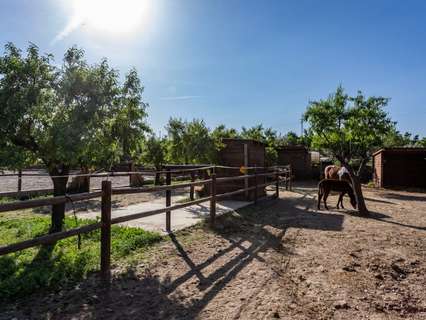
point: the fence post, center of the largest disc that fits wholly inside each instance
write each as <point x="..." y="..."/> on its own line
<point x="213" y="198"/>
<point x="191" y="189"/>
<point x="255" y="185"/>
<point x="106" y="231"/>
<point x="168" y="200"/>
<point x="277" y="186"/>
<point x="20" y="180"/>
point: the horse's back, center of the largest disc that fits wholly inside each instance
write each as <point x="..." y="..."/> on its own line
<point x="330" y="172"/>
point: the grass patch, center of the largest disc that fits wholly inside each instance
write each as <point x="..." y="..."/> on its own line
<point x="4" y="200"/>
<point x="54" y="267"/>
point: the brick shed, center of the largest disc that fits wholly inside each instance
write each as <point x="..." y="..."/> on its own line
<point x="238" y="153"/>
<point x="299" y="158"/>
<point x="400" y="167"/>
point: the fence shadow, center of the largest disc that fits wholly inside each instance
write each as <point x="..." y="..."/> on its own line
<point x="248" y="233"/>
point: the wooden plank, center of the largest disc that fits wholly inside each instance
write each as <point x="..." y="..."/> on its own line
<point x="246" y="163"/>
<point x="19" y="181"/>
<point x="277" y="186"/>
<point x="157" y="211"/>
<point x="191" y="190"/>
<point x="213" y="200"/>
<point x="129" y="190"/>
<point x="48" y="201"/>
<point x="168" y="201"/>
<point x="106" y="231"/>
<point x="49" y="238"/>
<point x="228" y="194"/>
<point x="255" y="185"/>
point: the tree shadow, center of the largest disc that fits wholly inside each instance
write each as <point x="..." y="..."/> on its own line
<point x="384" y="218"/>
<point x="404" y="197"/>
<point x="379" y="201"/>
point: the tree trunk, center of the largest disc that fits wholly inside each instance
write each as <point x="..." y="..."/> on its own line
<point x="362" y="208"/>
<point x="59" y="189"/>
<point x="157" y="178"/>
<point x="356" y="185"/>
<point x="80" y="184"/>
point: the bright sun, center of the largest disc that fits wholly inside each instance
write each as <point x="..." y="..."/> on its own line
<point x="113" y="16"/>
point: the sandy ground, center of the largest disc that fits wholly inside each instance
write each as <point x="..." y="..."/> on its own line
<point x="180" y="218"/>
<point x="10" y="184"/>
<point x="280" y="259"/>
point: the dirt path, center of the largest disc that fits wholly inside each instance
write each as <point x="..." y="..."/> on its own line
<point x="279" y="259"/>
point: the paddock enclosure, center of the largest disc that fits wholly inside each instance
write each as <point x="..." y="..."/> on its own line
<point x="239" y="153"/>
<point x="400" y="167"/>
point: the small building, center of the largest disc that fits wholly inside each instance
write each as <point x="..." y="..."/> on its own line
<point x="239" y="153"/>
<point x="400" y="167"/>
<point x="299" y="158"/>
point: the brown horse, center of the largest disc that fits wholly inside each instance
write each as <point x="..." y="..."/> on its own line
<point x="327" y="185"/>
<point x="337" y="173"/>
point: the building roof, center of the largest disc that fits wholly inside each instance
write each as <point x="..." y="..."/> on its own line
<point x="401" y="150"/>
<point x="241" y="140"/>
<point x="293" y="148"/>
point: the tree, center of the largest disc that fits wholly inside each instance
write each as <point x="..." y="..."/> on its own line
<point x="63" y="116"/>
<point x="130" y="125"/>
<point x="349" y="128"/>
<point x="154" y="153"/>
<point x="396" y="139"/>
<point x="222" y="132"/>
<point x="291" y="139"/>
<point x="189" y="142"/>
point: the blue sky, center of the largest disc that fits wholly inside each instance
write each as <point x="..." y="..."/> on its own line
<point x="247" y="62"/>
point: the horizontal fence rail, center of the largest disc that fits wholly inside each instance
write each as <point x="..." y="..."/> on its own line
<point x="278" y="174"/>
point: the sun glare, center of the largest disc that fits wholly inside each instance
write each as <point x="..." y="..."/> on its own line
<point x="113" y="16"/>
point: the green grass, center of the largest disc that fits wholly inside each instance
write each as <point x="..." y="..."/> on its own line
<point x="14" y="199"/>
<point x="54" y="267"/>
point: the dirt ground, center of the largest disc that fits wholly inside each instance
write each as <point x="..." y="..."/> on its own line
<point x="279" y="259"/>
<point x="10" y="184"/>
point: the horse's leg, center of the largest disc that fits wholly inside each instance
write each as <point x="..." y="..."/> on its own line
<point x="340" y="201"/>
<point x="319" y="198"/>
<point x="326" y="192"/>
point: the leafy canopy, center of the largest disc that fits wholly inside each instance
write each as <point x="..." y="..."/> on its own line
<point x="73" y="115"/>
<point x="348" y="127"/>
<point x="189" y="142"/>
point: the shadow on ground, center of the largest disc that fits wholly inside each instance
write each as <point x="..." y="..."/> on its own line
<point x="404" y="197"/>
<point x="250" y="232"/>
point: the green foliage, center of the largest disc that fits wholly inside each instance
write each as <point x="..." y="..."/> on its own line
<point x="154" y="152"/>
<point x="130" y="125"/>
<point x="75" y="115"/>
<point x="189" y="142"/>
<point x="348" y="127"/>
<point x="41" y="268"/>
<point x="396" y="139"/>
<point x="78" y="115"/>
<point x="222" y="132"/>
<point x="267" y="136"/>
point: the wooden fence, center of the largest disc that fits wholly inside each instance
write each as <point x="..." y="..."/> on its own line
<point x="106" y="219"/>
<point x="108" y="174"/>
